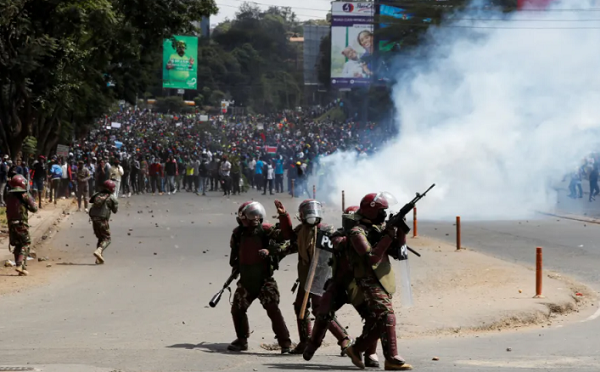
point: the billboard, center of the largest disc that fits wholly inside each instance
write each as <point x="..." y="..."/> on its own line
<point x="388" y="39"/>
<point x="352" y="44"/>
<point x="180" y="62"/>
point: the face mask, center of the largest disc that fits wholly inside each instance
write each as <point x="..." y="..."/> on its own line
<point x="311" y="220"/>
<point x="380" y="217"/>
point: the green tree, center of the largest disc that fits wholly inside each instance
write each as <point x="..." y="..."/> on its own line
<point x="57" y="58"/>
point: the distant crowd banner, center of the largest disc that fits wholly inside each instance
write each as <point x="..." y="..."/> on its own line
<point x="352" y="44"/>
<point x="180" y="62"/>
<point x="62" y="151"/>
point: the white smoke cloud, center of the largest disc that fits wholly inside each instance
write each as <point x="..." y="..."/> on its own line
<point x="494" y="116"/>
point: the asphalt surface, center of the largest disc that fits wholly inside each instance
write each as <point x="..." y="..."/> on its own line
<point x="146" y="309"/>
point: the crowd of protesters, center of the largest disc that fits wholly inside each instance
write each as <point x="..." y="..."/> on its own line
<point x="147" y="152"/>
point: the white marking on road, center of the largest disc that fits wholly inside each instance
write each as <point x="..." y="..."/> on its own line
<point x="592" y="317"/>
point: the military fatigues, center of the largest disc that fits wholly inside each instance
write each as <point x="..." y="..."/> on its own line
<point x="339" y="290"/>
<point x="304" y="237"/>
<point x="368" y="253"/>
<point x="103" y="203"/>
<point x="18" y="206"/>
<point x="256" y="282"/>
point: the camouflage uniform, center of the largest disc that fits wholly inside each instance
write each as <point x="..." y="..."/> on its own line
<point x="298" y="235"/>
<point x="256" y="281"/>
<point x="339" y="290"/>
<point x="18" y="206"/>
<point x="103" y="203"/>
<point x="369" y="251"/>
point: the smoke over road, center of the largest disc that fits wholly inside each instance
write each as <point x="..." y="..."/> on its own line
<point x="496" y="113"/>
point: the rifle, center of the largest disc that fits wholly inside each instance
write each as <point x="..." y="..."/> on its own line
<point x="217" y="297"/>
<point x="397" y="220"/>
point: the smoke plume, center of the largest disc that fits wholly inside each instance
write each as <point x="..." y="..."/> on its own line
<point x="496" y="114"/>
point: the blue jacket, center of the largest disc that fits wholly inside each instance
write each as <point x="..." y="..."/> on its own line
<point x="56" y="171"/>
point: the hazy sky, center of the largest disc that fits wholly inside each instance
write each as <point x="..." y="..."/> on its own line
<point x="306" y="9"/>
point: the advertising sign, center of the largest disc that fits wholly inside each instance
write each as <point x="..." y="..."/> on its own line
<point x="387" y="41"/>
<point x="352" y="44"/>
<point x="62" y="151"/>
<point x="180" y="62"/>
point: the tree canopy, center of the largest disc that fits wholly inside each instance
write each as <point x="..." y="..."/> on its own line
<point x="64" y="63"/>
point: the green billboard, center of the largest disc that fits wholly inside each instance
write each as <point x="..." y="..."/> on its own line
<point x="180" y="62"/>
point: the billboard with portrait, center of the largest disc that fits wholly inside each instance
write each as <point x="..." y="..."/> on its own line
<point x="352" y="44"/>
<point x="180" y="62"/>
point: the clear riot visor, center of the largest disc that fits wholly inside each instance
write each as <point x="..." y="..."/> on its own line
<point x="253" y="211"/>
<point x="384" y="195"/>
<point x="312" y="209"/>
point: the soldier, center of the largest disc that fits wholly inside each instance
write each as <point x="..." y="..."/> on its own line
<point x="103" y="203"/>
<point x="339" y="290"/>
<point x="83" y="178"/>
<point x="18" y="204"/>
<point x="251" y="256"/>
<point x="371" y="243"/>
<point x="304" y="237"/>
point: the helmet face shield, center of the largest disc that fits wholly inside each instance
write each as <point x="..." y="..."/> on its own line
<point x="253" y="212"/>
<point x="385" y="197"/>
<point x="310" y="211"/>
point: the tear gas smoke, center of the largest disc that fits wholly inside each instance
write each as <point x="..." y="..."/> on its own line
<point x="494" y="116"/>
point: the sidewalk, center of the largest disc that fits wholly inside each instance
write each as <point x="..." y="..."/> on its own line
<point x="40" y="225"/>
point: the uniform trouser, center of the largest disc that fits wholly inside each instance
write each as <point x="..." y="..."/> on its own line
<point x="381" y="320"/>
<point x="82" y="193"/>
<point x="18" y="235"/>
<point x="304" y="326"/>
<point x="279" y="182"/>
<point x="332" y="300"/>
<point x="269" y="299"/>
<point x="102" y="232"/>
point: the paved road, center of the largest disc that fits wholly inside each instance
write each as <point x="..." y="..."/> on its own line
<point x="145" y="310"/>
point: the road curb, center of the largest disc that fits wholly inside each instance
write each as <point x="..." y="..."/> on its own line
<point x="573" y="217"/>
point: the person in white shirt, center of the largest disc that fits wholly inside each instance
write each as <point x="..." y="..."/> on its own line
<point x="116" y="172"/>
<point x="225" y="174"/>
<point x="251" y="166"/>
<point x="353" y="68"/>
<point x="64" y="181"/>
<point x="270" y="177"/>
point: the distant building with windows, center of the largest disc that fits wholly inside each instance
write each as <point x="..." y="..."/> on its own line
<point x="313" y="35"/>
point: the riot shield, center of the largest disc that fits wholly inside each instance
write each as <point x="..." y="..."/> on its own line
<point x="320" y="266"/>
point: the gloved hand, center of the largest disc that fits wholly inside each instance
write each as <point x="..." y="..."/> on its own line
<point x="280" y="207"/>
<point x="263" y="253"/>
